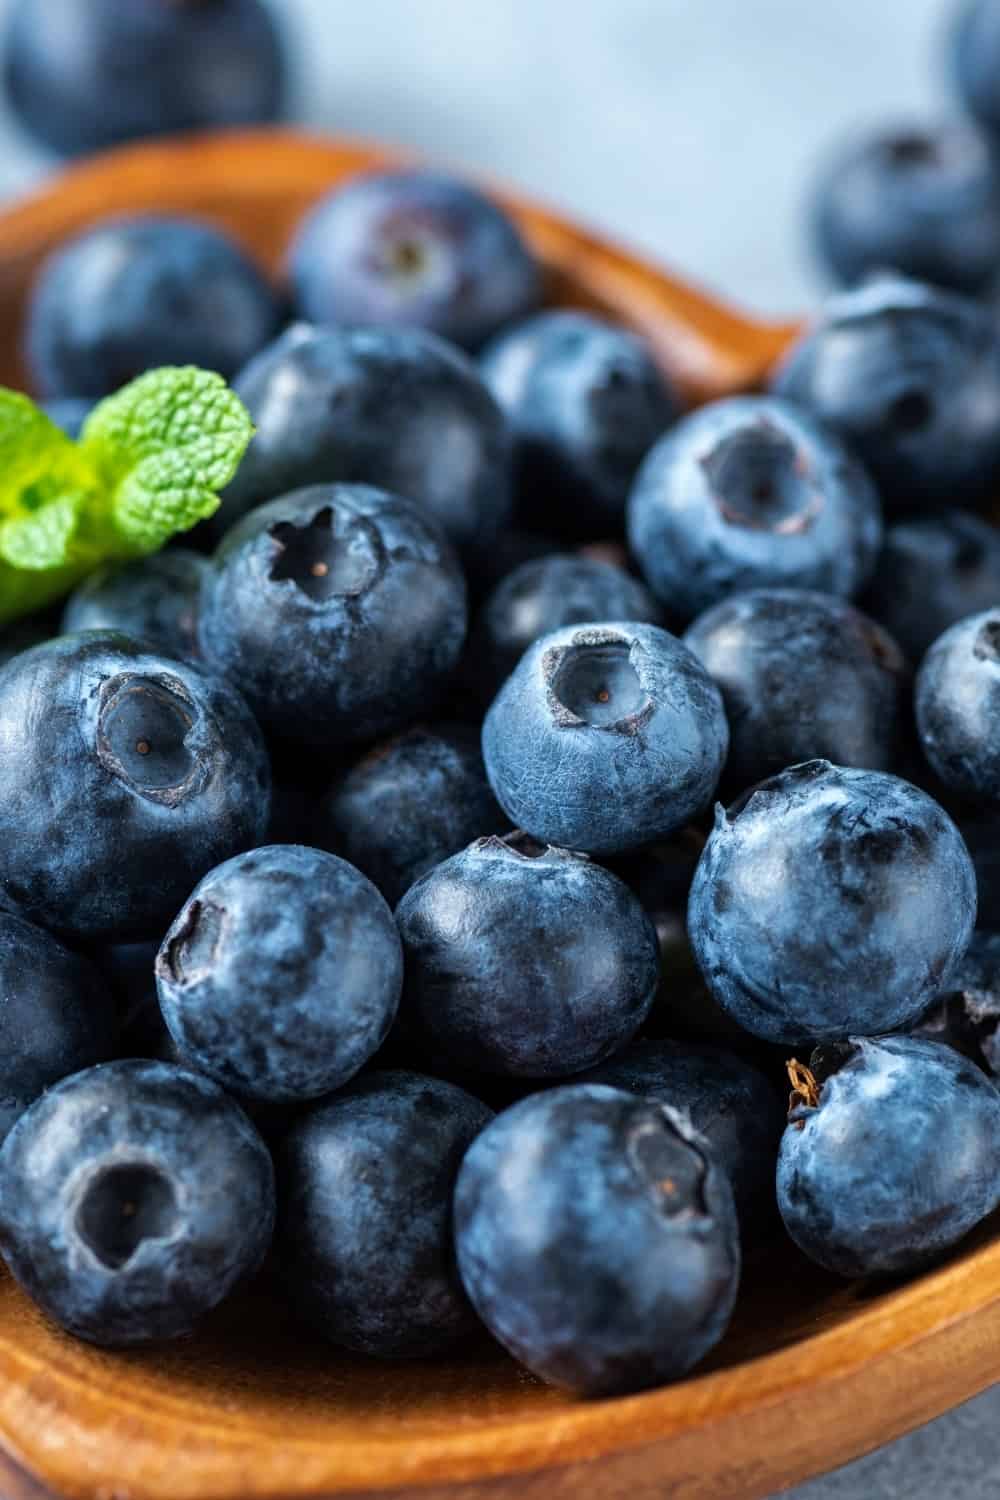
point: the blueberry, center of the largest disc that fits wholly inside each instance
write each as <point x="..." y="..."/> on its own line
<point x="155" y="599"/>
<point x="803" y="676"/>
<point x="525" y="960"/>
<point x="934" y="571"/>
<point x="909" y="376"/>
<point x="831" y="902"/>
<point x="958" y="706"/>
<point x="69" y="413"/>
<point x="339" y="611"/>
<point x="890" y="1157"/>
<point x="586" y="403"/>
<point x="921" y="200"/>
<point x="728" y="1102"/>
<point x="364" y="1232"/>
<point x="394" y="408"/>
<point x="967" y="1014"/>
<point x="751" y="493"/>
<point x="86" y="74"/>
<point x="124" y="777"/>
<point x="133" y="294"/>
<point x="605" y="737"/>
<point x="976" y="60"/>
<point x="542" y="596"/>
<point x="597" y="1239"/>
<point x="281" y="975"/>
<point x="409" y="804"/>
<point x="134" y="1196"/>
<point x="413" y="248"/>
<point x="56" y="1015"/>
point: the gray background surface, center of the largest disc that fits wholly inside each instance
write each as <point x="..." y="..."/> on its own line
<point x="689" y="127"/>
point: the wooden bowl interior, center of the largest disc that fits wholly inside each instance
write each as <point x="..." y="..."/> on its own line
<point x="813" y="1371"/>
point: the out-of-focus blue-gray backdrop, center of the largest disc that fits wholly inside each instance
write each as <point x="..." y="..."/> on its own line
<point x="689" y="127"/>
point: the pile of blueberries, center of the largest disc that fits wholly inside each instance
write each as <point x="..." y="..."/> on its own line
<point x="365" y="920"/>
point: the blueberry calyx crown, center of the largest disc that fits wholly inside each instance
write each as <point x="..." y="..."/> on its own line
<point x="669" y="1164"/>
<point x="807" y="1082"/>
<point x="762" y="481"/>
<point x="329" y="556"/>
<point x="122" y="1205"/>
<point x="595" y="682"/>
<point x="189" y="951"/>
<point x="144" y="734"/>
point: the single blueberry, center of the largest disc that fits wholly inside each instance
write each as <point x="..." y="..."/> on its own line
<point x="124" y="777"/>
<point x="155" y="600"/>
<point x="57" y="1015"/>
<point x="132" y="294"/>
<point x="86" y="74"/>
<point x="586" y="402"/>
<point x="134" y="1196"/>
<point x="751" y="493"/>
<point x="69" y="413"/>
<point x="413" y="248"/>
<point x="364" y="1242"/>
<point x="727" y="1100"/>
<point x="932" y="572"/>
<point x="958" y="706"/>
<point x="921" y="200"/>
<point x="803" y="676"/>
<point x="541" y="596"/>
<point x="831" y="902"/>
<point x="525" y="960"/>
<point x="890" y="1156"/>
<point x="597" y="1239"/>
<point x="908" y="376"/>
<point x="605" y="737"/>
<point x="976" y="60"/>
<point x="408" y="805"/>
<point x="281" y="975"/>
<point x="967" y="1014"/>
<point x="397" y="409"/>
<point x="339" y="610"/>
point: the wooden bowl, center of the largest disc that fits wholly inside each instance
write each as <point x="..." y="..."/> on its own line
<point x="814" y="1371"/>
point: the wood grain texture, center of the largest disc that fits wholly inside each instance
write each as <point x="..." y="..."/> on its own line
<point x="813" y="1372"/>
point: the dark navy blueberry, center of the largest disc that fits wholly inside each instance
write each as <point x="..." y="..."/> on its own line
<point x="413" y="248"/>
<point x="605" y="737"/>
<point x="967" y="1014"/>
<point x="338" y="610"/>
<point x="923" y="200"/>
<point x="129" y="970"/>
<point x="728" y="1101"/>
<point x="597" y="1239"/>
<point x="395" y="408"/>
<point x="976" y="60"/>
<point x="124" y="777"/>
<point x="525" y="960"/>
<point x="586" y="402"/>
<point x="542" y="596"/>
<point x="69" y="413"/>
<point x="506" y="552"/>
<point x="751" y="493"/>
<point x="57" y="1015"/>
<point x="155" y="600"/>
<point x="364" y="1240"/>
<point x="803" y="676"/>
<point x="891" y="1157"/>
<point x="134" y="1197"/>
<point x="133" y="294"/>
<point x="958" y="706"/>
<point x="281" y="976"/>
<point x="909" y="376"/>
<point x="830" y="903"/>
<point x="934" y="571"/>
<point x="86" y="74"/>
<point x="409" y="804"/>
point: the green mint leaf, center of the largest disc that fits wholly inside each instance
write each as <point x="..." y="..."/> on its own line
<point x="162" y="448"/>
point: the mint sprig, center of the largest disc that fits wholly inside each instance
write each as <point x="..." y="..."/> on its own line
<point x="150" y="463"/>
